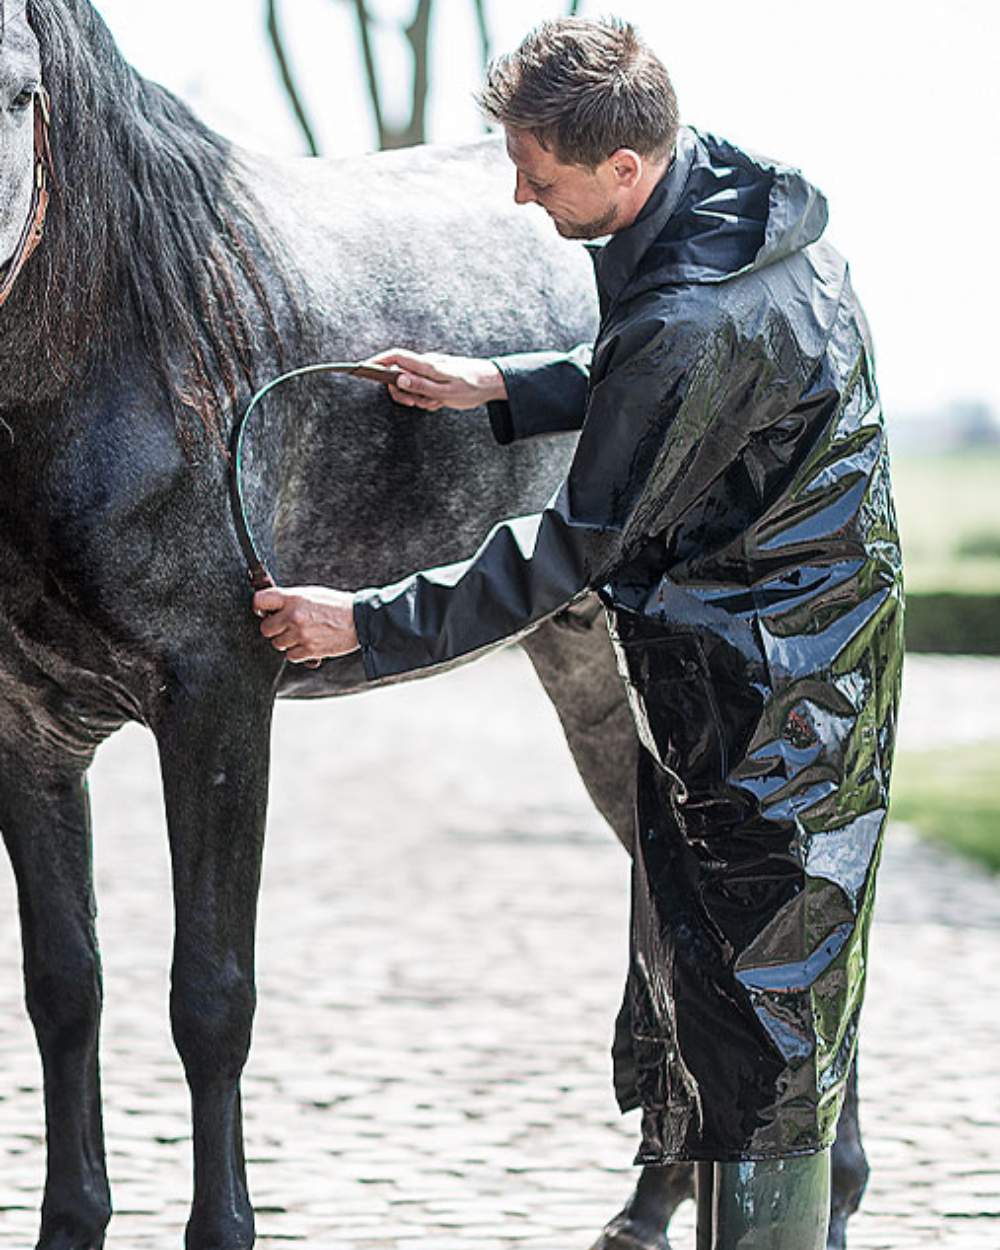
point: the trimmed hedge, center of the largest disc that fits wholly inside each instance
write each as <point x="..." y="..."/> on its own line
<point x="950" y="794"/>
<point x="953" y="624"/>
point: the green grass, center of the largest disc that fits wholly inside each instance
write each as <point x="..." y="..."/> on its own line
<point x="949" y="519"/>
<point x="960" y="576"/>
<point x="984" y="545"/>
<point x="952" y="797"/>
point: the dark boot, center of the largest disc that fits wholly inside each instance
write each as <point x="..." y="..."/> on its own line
<point x="781" y="1204"/>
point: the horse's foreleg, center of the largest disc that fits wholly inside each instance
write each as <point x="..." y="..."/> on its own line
<point x="46" y="827"/>
<point x="214" y="758"/>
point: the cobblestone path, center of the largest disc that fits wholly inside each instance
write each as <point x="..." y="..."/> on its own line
<point x="442" y="945"/>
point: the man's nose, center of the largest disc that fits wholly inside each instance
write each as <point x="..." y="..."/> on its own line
<point x="523" y="193"/>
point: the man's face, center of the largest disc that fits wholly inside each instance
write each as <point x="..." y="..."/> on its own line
<point x="583" y="203"/>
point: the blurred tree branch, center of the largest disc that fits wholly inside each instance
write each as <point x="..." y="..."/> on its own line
<point x="485" y="39"/>
<point x="288" y="81"/>
<point x="371" y="72"/>
<point x="482" y="21"/>
<point x="417" y="34"/>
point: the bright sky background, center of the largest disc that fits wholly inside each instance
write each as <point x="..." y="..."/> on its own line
<point x="891" y="106"/>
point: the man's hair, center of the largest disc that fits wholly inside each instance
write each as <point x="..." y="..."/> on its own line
<point x="584" y="89"/>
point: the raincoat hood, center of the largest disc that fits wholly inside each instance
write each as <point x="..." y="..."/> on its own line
<point x="718" y="212"/>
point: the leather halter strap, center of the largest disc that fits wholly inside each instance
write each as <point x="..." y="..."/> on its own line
<point x="257" y="572"/>
<point x="43" y="176"/>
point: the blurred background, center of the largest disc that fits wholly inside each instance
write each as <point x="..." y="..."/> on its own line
<point x="889" y="107"/>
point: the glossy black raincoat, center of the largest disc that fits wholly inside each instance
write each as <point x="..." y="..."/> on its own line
<point x="730" y="501"/>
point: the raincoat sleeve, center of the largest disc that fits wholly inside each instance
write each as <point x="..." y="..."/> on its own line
<point x="546" y="393"/>
<point x="643" y="424"/>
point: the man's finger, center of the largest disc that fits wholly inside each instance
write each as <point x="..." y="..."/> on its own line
<point x="270" y="600"/>
<point x="274" y="625"/>
<point x="415" y="384"/>
<point x="407" y="399"/>
<point x="411" y="362"/>
<point x="301" y="655"/>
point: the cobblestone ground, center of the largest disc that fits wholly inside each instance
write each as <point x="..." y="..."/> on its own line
<point x="442" y="945"/>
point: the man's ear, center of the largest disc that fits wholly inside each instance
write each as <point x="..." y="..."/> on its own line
<point x="628" y="167"/>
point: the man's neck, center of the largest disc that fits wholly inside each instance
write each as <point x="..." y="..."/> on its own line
<point x="652" y="175"/>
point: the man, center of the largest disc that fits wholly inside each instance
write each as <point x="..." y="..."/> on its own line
<point x="729" y="500"/>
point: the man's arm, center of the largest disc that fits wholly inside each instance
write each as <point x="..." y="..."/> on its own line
<point x="525" y="394"/>
<point x="546" y="393"/>
<point x="659" y="427"/>
<point x="636" y="447"/>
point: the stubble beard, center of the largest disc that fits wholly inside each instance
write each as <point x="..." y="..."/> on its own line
<point x="595" y="229"/>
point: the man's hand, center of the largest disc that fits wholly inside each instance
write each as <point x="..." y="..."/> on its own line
<point x="307" y="623"/>
<point x="435" y="381"/>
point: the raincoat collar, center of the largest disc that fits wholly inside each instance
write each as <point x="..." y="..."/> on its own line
<point x="717" y="212"/>
<point x="616" y="260"/>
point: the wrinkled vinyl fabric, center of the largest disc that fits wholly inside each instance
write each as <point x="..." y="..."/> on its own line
<point x="729" y="499"/>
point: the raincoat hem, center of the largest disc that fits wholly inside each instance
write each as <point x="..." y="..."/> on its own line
<point x="652" y="1158"/>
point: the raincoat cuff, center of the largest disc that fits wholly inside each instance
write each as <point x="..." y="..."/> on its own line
<point x="364" y="610"/>
<point x="546" y="394"/>
<point x="501" y="421"/>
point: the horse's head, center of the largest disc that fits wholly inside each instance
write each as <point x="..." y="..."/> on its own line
<point x="149" y="231"/>
<point x="20" y="78"/>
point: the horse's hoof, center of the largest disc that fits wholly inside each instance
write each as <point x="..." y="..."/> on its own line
<point x="625" y="1233"/>
<point x="237" y="1236"/>
<point x="72" y="1235"/>
<point x="66" y="1241"/>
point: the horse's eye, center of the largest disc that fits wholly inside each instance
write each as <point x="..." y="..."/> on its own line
<point x="23" y="99"/>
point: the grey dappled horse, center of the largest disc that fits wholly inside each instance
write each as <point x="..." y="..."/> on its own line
<point x="177" y="274"/>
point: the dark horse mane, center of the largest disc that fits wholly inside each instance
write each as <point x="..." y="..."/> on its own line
<point x="150" y="238"/>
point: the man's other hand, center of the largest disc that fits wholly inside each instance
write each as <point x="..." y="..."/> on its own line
<point x="434" y="381"/>
<point x="307" y="623"/>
